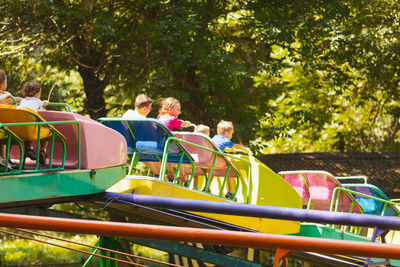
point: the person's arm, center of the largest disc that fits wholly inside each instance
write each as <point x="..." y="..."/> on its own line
<point x="186" y="124"/>
<point x="237" y="148"/>
<point x="3" y="98"/>
<point x="6" y="99"/>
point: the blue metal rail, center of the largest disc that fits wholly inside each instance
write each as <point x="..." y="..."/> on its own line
<point x="282" y="213"/>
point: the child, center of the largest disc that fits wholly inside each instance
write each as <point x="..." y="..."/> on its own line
<point x="143" y="105"/>
<point x="5" y="99"/>
<point x="142" y="108"/>
<point x="201" y="128"/>
<point x="31" y="92"/>
<point x="169" y="112"/>
<point x="223" y="140"/>
<point x="224" y="134"/>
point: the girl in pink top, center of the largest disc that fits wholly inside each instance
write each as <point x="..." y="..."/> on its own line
<point x="169" y="112"/>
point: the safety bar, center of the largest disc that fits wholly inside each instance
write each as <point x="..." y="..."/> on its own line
<point x="216" y="153"/>
<point x="56" y="104"/>
<point x="48" y="125"/>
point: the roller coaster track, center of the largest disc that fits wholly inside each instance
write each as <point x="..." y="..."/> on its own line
<point x="284" y="245"/>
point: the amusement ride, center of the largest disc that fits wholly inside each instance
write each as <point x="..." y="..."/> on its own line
<point x="180" y="203"/>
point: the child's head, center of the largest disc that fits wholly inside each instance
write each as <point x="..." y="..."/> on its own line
<point x="31" y="89"/>
<point x="3" y="80"/>
<point x="170" y="106"/>
<point x="203" y="129"/>
<point x="143" y="104"/>
<point x="225" y="128"/>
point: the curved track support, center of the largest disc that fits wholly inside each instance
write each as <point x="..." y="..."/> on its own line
<point x="281" y="253"/>
<point x="382" y="233"/>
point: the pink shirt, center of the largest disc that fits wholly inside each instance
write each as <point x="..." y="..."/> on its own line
<point x="170" y="121"/>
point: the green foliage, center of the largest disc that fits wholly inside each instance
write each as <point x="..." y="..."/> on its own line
<point x="341" y="93"/>
<point x="83" y="211"/>
<point x="193" y="51"/>
<point x="15" y="250"/>
<point x="325" y="71"/>
<point x="149" y="253"/>
<point x="24" y="251"/>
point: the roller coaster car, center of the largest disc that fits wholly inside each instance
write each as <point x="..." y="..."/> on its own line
<point x="371" y="198"/>
<point x="321" y="190"/>
<point x="76" y="162"/>
<point x="150" y="141"/>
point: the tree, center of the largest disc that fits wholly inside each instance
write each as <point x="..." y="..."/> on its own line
<point x="332" y="62"/>
<point x="176" y="48"/>
<point x="98" y="39"/>
<point x="343" y="93"/>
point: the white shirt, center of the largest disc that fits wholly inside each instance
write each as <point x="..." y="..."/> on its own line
<point x="132" y="114"/>
<point x="31" y="102"/>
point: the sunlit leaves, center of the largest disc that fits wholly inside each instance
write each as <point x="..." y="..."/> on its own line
<point x="327" y="71"/>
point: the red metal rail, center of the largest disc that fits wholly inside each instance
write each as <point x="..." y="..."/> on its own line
<point x="228" y="238"/>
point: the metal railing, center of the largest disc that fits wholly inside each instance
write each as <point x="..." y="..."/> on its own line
<point x="209" y="178"/>
<point x="48" y="125"/>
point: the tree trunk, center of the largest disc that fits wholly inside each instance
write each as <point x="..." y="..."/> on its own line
<point x="95" y="104"/>
<point x="195" y="107"/>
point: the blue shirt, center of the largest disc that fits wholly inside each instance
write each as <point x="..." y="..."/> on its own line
<point x="222" y="142"/>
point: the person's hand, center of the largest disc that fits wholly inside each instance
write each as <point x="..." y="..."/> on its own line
<point x="45" y="103"/>
<point x="4" y="95"/>
<point x="186" y="124"/>
<point x="236" y="148"/>
<point x="5" y="99"/>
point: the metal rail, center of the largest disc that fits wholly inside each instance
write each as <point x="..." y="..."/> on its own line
<point x="260" y="211"/>
<point x="283" y="244"/>
<point x="49" y="125"/>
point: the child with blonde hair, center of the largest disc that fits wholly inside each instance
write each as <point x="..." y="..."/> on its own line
<point x="223" y="140"/>
<point x="224" y="134"/>
<point x="169" y="112"/>
<point x="204" y="129"/>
